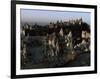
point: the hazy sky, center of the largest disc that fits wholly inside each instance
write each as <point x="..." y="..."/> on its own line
<point x="46" y="16"/>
